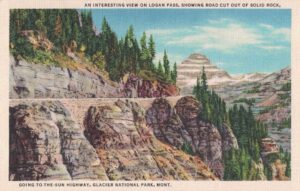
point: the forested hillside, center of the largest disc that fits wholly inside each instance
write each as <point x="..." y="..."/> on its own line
<point x="73" y="31"/>
<point x="242" y="163"/>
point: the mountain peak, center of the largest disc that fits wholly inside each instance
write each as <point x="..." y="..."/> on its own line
<point x="197" y="56"/>
<point x="191" y="68"/>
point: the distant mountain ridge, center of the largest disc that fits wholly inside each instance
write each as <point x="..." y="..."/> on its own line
<point x="191" y="68"/>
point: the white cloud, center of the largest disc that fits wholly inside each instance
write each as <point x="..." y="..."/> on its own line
<point x="266" y="26"/>
<point x="225" y="38"/>
<point x="270" y="47"/>
<point x="226" y="35"/>
<point x="221" y="63"/>
<point x="161" y="31"/>
<point x="166" y="32"/>
<point x="283" y="33"/>
<point x="220" y="21"/>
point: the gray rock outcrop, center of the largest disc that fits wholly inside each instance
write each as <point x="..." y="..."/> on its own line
<point x="46" y="144"/>
<point x="29" y="80"/>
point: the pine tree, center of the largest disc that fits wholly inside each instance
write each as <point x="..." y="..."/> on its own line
<point x="13" y="28"/>
<point x="75" y="34"/>
<point x="256" y="154"/>
<point x="145" y="56"/>
<point x="88" y="33"/>
<point x="197" y="89"/>
<point x="288" y="165"/>
<point x="174" y="73"/>
<point x="58" y="26"/>
<point x="58" y="31"/>
<point x="114" y="52"/>
<point x="131" y="51"/>
<point x="204" y="80"/>
<point x="204" y="98"/>
<point x="232" y="169"/>
<point x="160" y="69"/>
<point x="166" y="64"/>
<point x="151" y="46"/>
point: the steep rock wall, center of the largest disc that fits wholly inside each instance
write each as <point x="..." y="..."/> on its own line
<point x="28" y="80"/>
<point x="129" y="150"/>
<point x="181" y="125"/>
<point x="114" y="143"/>
<point x="46" y="144"/>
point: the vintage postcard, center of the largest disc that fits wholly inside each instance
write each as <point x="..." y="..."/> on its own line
<point x="167" y="95"/>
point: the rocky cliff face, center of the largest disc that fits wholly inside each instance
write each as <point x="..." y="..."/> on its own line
<point x="46" y="144"/>
<point x="129" y="150"/>
<point x="271" y="156"/>
<point x="181" y="125"/>
<point x="114" y="143"/>
<point x="28" y="80"/>
<point x="138" y="87"/>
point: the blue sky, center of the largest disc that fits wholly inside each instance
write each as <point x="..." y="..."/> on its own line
<point x="238" y="41"/>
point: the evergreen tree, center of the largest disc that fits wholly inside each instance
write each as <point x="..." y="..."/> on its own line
<point x="114" y="52"/>
<point x="132" y="51"/>
<point x="75" y="27"/>
<point x="160" y="69"/>
<point x="247" y="130"/>
<point x="145" y="55"/>
<point x="151" y="48"/>
<point x="166" y="64"/>
<point x="197" y="89"/>
<point x="74" y="30"/>
<point x="50" y="21"/>
<point x="58" y="31"/>
<point x="88" y="33"/>
<point x="204" y="81"/>
<point x="232" y="169"/>
<point x="174" y="73"/>
<point x="288" y="165"/>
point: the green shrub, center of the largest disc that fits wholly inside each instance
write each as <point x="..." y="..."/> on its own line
<point x="22" y="47"/>
<point x="187" y="149"/>
<point x="286" y="87"/>
<point x="43" y="57"/>
<point x="253" y="90"/>
<point x="99" y="60"/>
